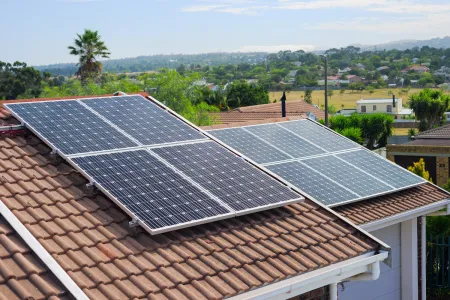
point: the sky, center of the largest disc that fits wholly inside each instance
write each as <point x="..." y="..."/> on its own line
<point x="39" y="31"/>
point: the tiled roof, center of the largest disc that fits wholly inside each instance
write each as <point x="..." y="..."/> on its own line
<point x="90" y="238"/>
<point x="22" y="274"/>
<point x="389" y="205"/>
<point x="442" y="132"/>
<point x="294" y="109"/>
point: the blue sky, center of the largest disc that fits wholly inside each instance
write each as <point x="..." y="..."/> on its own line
<point x="39" y="31"/>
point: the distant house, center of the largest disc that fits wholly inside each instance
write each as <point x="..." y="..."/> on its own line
<point x="292" y="73"/>
<point x="415" y="59"/>
<point x="344" y="70"/>
<point x="354" y="78"/>
<point x="416" y="68"/>
<point x="382" y="68"/>
<point x="388" y="106"/>
<point x="385" y="77"/>
<point x="360" y="66"/>
<point x="297" y="63"/>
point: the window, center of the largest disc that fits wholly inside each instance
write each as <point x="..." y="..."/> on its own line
<point x="363" y="108"/>
<point x="374" y="108"/>
<point x="389" y="108"/>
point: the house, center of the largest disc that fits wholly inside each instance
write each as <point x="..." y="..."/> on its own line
<point x="354" y="78"/>
<point x="61" y="239"/>
<point x="332" y="80"/>
<point x="360" y="66"/>
<point x="433" y="146"/>
<point x="344" y="70"/>
<point x="398" y="218"/>
<point x="390" y="106"/>
<point x="295" y="109"/>
<point x="292" y="73"/>
<point x="382" y="68"/>
<point x="416" y="68"/>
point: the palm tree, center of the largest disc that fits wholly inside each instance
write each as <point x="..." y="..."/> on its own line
<point x="89" y="47"/>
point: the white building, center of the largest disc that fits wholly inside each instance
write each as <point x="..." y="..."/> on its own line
<point x="371" y="106"/>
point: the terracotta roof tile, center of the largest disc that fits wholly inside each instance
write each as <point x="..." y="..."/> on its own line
<point x="90" y="238"/>
<point x="389" y="205"/>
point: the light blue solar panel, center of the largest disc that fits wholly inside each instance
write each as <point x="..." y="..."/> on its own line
<point x="290" y="143"/>
<point x="320" y="136"/>
<point x="246" y="143"/>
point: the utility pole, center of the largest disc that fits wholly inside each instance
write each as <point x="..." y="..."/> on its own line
<point x="326" y="90"/>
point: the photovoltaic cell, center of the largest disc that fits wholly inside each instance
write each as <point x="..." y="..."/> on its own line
<point x="228" y="177"/>
<point x="312" y="183"/>
<point x="70" y="127"/>
<point x="152" y="191"/>
<point x="381" y="168"/>
<point x="143" y="120"/>
<point x="347" y="175"/>
<point x="319" y="136"/>
<point x="251" y="146"/>
<point x="291" y="144"/>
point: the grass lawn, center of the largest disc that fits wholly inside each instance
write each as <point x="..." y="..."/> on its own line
<point x="401" y="131"/>
<point x="348" y="99"/>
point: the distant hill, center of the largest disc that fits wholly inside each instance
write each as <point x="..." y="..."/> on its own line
<point x="407" y="44"/>
<point x="154" y="62"/>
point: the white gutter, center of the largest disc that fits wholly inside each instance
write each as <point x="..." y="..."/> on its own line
<point x="414" y="213"/>
<point x="40" y="251"/>
<point x="315" y="279"/>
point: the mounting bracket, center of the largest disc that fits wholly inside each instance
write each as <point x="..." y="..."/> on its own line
<point x="133" y="223"/>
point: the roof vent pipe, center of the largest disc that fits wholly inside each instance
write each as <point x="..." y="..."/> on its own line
<point x="283" y="105"/>
<point x="393" y="100"/>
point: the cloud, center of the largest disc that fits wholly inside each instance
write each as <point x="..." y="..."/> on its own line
<point x="80" y="1"/>
<point x="275" y="48"/>
<point x="202" y="8"/>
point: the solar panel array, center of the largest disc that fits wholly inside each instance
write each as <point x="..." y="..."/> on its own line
<point x="323" y="164"/>
<point x="162" y="171"/>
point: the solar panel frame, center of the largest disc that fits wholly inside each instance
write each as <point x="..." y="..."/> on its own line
<point x="208" y="137"/>
<point x="135" y="219"/>
<point x="58" y="149"/>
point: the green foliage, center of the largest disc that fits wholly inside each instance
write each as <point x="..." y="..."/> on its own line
<point x="411" y="132"/>
<point x="331" y="109"/>
<point x="374" y="128"/>
<point x="89" y="47"/>
<point x="308" y="96"/>
<point x="243" y="94"/>
<point x="19" y="79"/>
<point x="352" y="133"/>
<point x="418" y="168"/>
<point x="429" y="107"/>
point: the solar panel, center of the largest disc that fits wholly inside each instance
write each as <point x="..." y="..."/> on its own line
<point x="143" y="120"/>
<point x="253" y="147"/>
<point x="291" y="143"/>
<point x="319" y="135"/>
<point x="348" y="176"/>
<point x="381" y="168"/>
<point x="149" y="189"/>
<point x="235" y="182"/>
<point x="69" y="127"/>
<point x="314" y="184"/>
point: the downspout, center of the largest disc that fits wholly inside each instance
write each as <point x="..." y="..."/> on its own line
<point x="374" y="273"/>
<point x="423" y="257"/>
<point x="333" y="291"/>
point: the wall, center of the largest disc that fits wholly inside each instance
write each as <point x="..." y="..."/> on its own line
<point x="388" y="286"/>
<point x="439" y="154"/>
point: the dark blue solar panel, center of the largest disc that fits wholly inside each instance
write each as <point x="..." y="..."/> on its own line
<point x="152" y="191"/>
<point x="317" y="186"/>
<point x="70" y="127"/>
<point x="143" y="120"/>
<point x="381" y="168"/>
<point x="249" y="145"/>
<point x="289" y="142"/>
<point x="319" y="135"/>
<point x="228" y="177"/>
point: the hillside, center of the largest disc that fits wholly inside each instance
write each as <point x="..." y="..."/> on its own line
<point x="442" y="43"/>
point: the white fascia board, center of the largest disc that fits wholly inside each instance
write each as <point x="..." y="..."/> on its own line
<point x="43" y="254"/>
<point x="414" y="213"/>
<point x="315" y="279"/>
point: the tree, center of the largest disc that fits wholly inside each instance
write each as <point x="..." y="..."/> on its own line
<point x="89" y="47"/>
<point x="182" y="69"/>
<point x="352" y="133"/>
<point x="19" y="79"/>
<point x="330" y="93"/>
<point x="243" y="94"/>
<point x="429" y="106"/>
<point x="308" y="96"/>
<point x="418" y="168"/>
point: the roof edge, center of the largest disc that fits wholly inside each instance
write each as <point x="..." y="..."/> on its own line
<point x="315" y="279"/>
<point x="43" y="254"/>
